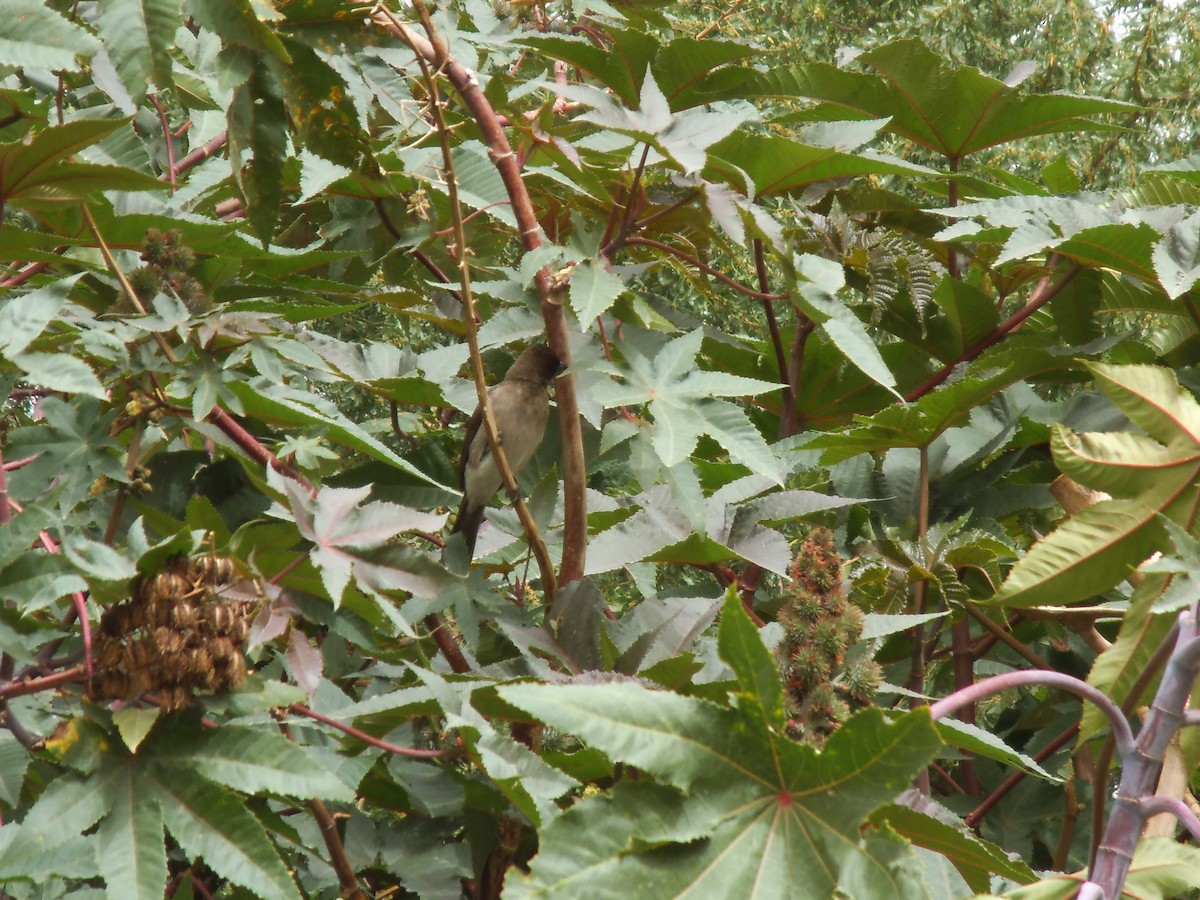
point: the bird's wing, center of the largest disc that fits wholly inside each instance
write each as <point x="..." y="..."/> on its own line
<point x="473" y="425"/>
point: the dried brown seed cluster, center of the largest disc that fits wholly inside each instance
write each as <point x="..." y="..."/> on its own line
<point x="176" y="635"/>
<point x="825" y="676"/>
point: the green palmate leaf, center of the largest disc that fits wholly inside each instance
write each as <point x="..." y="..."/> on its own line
<point x="517" y="773"/>
<point x="21" y="322"/>
<point x="593" y="289"/>
<point x="31" y="34"/>
<point x="138" y="35"/>
<point x="951" y="111"/>
<point x="1083" y="557"/>
<point x="756" y="669"/>
<point x="772" y="164"/>
<point x="1177" y="257"/>
<point x="354" y="540"/>
<point x="1161" y="869"/>
<point x="209" y="822"/>
<point x="1152" y="399"/>
<point x="68" y="807"/>
<point x="280" y="404"/>
<point x="1160" y="473"/>
<point x="817" y="298"/>
<point x="978" y="742"/>
<point x="252" y="760"/>
<point x="1123" y="463"/>
<point x="38" y="170"/>
<point x="976" y="860"/>
<point x="321" y="109"/>
<point x="681" y="401"/>
<point x="767" y="809"/>
<point x="237" y="23"/>
<point x="258" y="144"/>
<point x="129" y="842"/>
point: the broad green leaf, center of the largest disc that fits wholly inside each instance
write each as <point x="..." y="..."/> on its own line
<point x="979" y="742"/>
<point x="320" y="108"/>
<point x="138" y="35"/>
<point x="975" y="859"/>
<point x="251" y="760"/>
<point x="354" y="540"/>
<point x="593" y="289"/>
<point x="59" y="372"/>
<point x="134" y="724"/>
<point x="258" y="145"/>
<point x="1161" y="869"/>
<point x="32" y="34"/>
<point x="1177" y="257"/>
<point x="1083" y="557"/>
<point x="1153" y="400"/>
<point x="38" y="170"/>
<point x="212" y="823"/>
<point x="817" y="298"/>
<point x="769" y="807"/>
<point x="279" y="404"/>
<point x="756" y="669"/>
<point x="130" y="848"/>
<point x="778" y="165"/>
<point x="1123" y="463"/>
<point x="680" y="397"/>
<point x="237" y="22"/>
<point x="1115" y="670"/>
<point x="22" y="322"/>
<point x="951" y="111"/>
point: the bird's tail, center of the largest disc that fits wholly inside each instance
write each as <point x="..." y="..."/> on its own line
<point x="468" y="522"/>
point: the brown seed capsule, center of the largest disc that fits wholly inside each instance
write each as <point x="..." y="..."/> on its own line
<point x="211" y="569"/>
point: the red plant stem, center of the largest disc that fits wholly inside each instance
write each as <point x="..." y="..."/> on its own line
<point x="550" y="293"/>
<point x="5" y="512"/>
<point x="202" y="153"/>
<point x="168" y="137"/>
<point x="18" y="463"/>
<point x="301" y="710"/>
<point x="708" y="270"/>
<point x="78" y="600"/>
<point x="1042" y="295"/>
<point x="47" y="682"/>
<point x="789" y="390"/>
<point x="447" y="644"/>
<point x="254" y="448"/>
<point x="977" y="814"/>
<point x="347" y="880"/>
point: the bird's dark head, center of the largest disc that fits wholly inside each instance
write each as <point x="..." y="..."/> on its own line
<point x="538" y="363"/>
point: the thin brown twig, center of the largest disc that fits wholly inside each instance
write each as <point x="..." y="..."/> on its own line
<point x="533" y="535"/>
<point x="703" y="267"/>
<point x="301" y="710"/>
<point x="550" y="292"/>
<point x="24" y="686"/>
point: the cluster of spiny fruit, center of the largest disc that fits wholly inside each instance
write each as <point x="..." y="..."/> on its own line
<point x="827" y="675"/>
<point x="174" y="636"/>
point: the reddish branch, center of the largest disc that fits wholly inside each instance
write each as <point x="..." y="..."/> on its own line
<point x="1016" y="778"/>
<point x="301" y="710"/>
<point x="47" y="682"/>
<point x="1043" y="294"/>
<point x="467" y="85"/>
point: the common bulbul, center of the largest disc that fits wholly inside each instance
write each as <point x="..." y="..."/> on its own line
<point x="520" y="408"/>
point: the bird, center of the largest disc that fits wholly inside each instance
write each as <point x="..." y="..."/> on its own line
<point x="520" y="409"/>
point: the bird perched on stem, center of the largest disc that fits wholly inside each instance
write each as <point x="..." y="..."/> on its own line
<point x="520" y="408"/>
